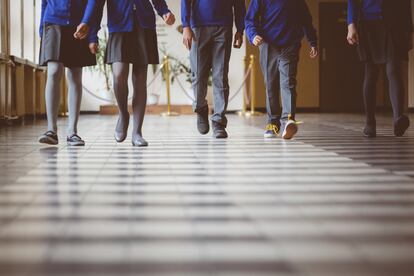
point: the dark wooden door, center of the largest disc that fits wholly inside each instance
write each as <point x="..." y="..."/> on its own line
<point x="341" y="71"/>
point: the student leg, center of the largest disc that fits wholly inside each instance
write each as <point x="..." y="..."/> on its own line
<point x="55" y="72"/>
<point x="74" y="76"/>
<point x="120" y="80"/>
<point x="370" y="95"/>
<point x="269" y="62"/>
<point x="288" y="67"/>
<point x="396" y="90"/>
<point x="139" y="103"/>
<point x="200" y="59"/>
<point x="221" y="49"/>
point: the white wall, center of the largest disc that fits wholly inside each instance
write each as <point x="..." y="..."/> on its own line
<point x="170" y="39"/>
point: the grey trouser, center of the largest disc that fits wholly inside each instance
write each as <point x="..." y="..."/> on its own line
<point x="211" y="52"/>
<point x="280" y="66"/>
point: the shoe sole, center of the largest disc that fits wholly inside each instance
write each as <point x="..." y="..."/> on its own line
<point x="402" y="127"/>
<point x="48" y="141"/>
<point x="76" y="144"/>
<point x="270" y="136"/>
<point x="139" y="145"/>
<point x="369" y="135"/>
<point x="203" y="132"/>
<point x="290" y="131"/>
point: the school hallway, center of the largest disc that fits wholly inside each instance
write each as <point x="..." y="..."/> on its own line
<point x="330" y="202"/>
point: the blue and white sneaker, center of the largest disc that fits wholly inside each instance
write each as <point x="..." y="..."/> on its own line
<point x="272" y="131"/>
<point x="75" y="141"/>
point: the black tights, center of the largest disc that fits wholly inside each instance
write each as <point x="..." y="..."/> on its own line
<point x="396" y="89"/>
<point x="139" y="100"/>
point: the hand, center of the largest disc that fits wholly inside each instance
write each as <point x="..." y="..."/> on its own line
<point x="82" y="31"/>
<point x="238" y="40"/>
<point x="352" y="37"/>
<point x="169" y="18"/>
<point x="258" y="40"/>
<point x="314" y="52"/>
<point x="188" y="37"/>
<point x="94" y="48"/>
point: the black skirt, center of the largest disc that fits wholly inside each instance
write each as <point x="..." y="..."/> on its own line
<point x="58" y="44"/>
<point x="138" y="47"/>
<point x="379" y="44"/>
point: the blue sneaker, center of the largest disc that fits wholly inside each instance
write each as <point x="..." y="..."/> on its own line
<point x="272" y="131"/>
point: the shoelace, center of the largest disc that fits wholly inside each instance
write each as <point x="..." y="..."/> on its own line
<point x="290" y="118"/>
<point x="272" y="127"/>
<point x="75" y="137"/>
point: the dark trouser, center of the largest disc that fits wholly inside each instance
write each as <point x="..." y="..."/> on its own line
<point x="211" y="51"/>
<point x="280" y="66"/>
<point x="396" y="89"/>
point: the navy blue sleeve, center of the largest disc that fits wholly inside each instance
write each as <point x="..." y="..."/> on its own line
<point x="161" y="7"/>
<point x="96" y="21"/>
<point x="352" y="11"/>
<point x="42" y="16"/>
<point x="89" y="12"/>
<point x="252" y="20"/>
<point x="239" y="14"/>
<point x="308" y="28"/>
<point x="186" y="13"/>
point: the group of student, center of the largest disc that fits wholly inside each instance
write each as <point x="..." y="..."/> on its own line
<point x="382" y="30"/>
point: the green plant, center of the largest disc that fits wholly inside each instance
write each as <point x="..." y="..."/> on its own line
<point x="178" y="68"/>
<point x="101" y="67"/>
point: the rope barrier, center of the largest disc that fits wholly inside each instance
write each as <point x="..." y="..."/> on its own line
<point x="156" y="75"/>
<point x="246" y="76"/>
<point x="181" y="86"/>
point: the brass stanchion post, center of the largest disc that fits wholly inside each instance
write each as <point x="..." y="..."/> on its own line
<point x="166" y="70"/>
<point x="34" y="96"/>
<point x="244" y="107"/>
<point x="253" y="80"/>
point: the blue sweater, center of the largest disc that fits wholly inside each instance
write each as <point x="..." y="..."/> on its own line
<point x="280" y="23"/>
<point x="196" y="13"/>
<point x="370" y="10"/>
<point x="67" y="12"/>
<point x="122" y="15"/>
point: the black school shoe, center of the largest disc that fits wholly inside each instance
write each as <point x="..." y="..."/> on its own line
<point x="219" y="131"/>
<point x="49" y="138"/>
<point x="203" y="125"/>
<point x="401" y="125"/>
<point x="370" y="131"/>
<point x="75" y="141"/>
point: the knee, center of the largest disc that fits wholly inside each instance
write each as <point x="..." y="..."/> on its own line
<point x="120" y="77"/>
<point x="393" y="70"/>
<point x="54" y="72"/>
<point x="220" y="80"/>
<point x="289" y="84"/>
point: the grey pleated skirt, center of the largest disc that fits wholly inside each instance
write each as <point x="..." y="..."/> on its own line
<point x="58" y="44"/>
<point x="381" y="44"/>
<point x="138" y="47"/>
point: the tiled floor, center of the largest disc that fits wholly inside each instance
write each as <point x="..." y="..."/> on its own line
<point x="328" y="203"/>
